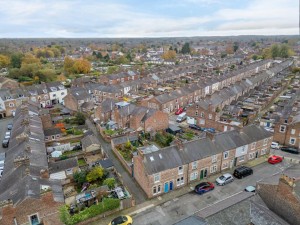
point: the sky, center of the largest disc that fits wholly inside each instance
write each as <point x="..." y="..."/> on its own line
<point x="146" y="18"/>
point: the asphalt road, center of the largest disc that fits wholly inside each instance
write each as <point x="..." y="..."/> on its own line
<point x="3" y="129"/>
<point x="186" y="205"/>
<point x="138" y="194"/>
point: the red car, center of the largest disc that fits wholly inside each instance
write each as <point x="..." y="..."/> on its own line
<point x="275" y="159"/>
<point x="204" y="187"/>
<point x="179" y="111"/>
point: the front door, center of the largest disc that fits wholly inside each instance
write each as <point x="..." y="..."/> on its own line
<point x="256" y="155"/>
<point x="166" y="187"/>
<point x="235" y="161"/>
<point x="205" y="173"/>
<point x="171" y="185"/>
<point x="201" y="174"/>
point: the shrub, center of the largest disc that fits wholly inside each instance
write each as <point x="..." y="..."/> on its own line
<point x="106" y="205"/>
<point x="110" y="182"/>
<point x="95" y="174"/>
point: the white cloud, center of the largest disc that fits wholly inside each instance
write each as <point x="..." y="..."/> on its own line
<point x="64" y="18"/>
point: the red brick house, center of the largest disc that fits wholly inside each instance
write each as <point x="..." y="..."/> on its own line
<point x="141" y="118"/>
<point x="164" y="170"/>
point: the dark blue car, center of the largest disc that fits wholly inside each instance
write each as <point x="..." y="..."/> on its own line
<point x="204" y="187"/>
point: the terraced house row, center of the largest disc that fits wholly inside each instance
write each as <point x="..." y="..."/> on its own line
<point x="161" y="171"/>
<point x="202" y="87"/>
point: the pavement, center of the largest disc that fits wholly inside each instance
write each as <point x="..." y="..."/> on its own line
<point x="181" y="203"/>
<point x="130" y="183"/>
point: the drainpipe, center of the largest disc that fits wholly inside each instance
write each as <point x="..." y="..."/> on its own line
<point x="15" y="221"/>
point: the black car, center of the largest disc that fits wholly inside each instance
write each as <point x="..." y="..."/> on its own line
<point x="292" y="150"/>
<point x="5" y="143"/>
<point x="9" y="126"/>
<point x="242" y="172"/>
<point x="195" y="127"/>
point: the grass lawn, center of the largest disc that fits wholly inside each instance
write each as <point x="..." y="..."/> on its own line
<point x="81" y="162"/>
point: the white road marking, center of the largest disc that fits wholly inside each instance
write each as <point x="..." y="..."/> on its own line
<point x="142" y="209"/>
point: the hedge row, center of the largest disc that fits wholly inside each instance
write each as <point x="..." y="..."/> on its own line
<point x="106" y="205"/>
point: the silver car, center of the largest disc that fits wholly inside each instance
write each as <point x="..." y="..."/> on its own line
<point x="224" y="179"/>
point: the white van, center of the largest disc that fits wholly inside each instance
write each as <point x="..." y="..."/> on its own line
<point x="181" y="117"/>
<point x="275" y="145"/>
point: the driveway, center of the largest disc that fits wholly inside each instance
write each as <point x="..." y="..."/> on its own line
<point x="3" y="129"/>
<point x="129" y="181"/>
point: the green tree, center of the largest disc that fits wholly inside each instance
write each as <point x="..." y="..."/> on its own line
<point x="275" y="51"/>
<point x="186" y="48"/>
<point x="80" y="177"/>
<point x="64" y="215"/>
<point x="16" y="60"/>
<point x="112" y="69"/>
<point x="81" y="66"/>
<point x="68" y="65"/>
<point x="79" y="118"/>
<point x="284" y="51"/>
<point x="254" y="57"/>
<point x="110" y="182"/>
<point x="95" y="174"/>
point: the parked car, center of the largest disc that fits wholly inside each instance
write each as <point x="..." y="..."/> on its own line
<point x="121" y="220"/>
<point x="204" y="187"/>
<point x="275" y="159"/>
<point x="224" y="179"/>
<point x="290" y="149"/>
<point x="195" y="127"/>
<point x="179" y="111"/>
<point x="8" y="133"/>
<point x="5" y="143"/>
<point x="242" y="172"/>
<point x="181" y="117"/>
<point x="211" y="130"/>
<point x="9" y="126"/>
<point x="250" y="189"/>
<point x="275" y="145"/>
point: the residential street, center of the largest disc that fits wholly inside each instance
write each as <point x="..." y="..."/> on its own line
<point x="179" y="208"/>
<point x="3" y="129"/>
<point x="129" y="182"/>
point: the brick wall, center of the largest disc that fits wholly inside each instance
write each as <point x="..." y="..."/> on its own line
<point x="158" y="121"/>
<point x="281" y="200"/>
<point x="70" y="102"/>
<point x="43" y="207"/>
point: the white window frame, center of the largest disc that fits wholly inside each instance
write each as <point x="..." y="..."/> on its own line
<point x="263" y="151"/>
<point x="180" y="181"/>
<point x="242" y="158"/>
<point x="251" y="155"/>
<point x="210" y="116"/>
<point x="293" y="131"/>
<point x="194" y="165"/>
<point x="156" y="177"/>
<point x="225" y="165"/>
<point x="253" y="145"/>
<point x="193" y="176"/>
<point x="180" y="170"/>
<point x="282" y="128"/>
<point x="213" y="168"/>
<point x="202" y="114"/>
<point x="196" y="113"/>
<point x="226" y="155"/>
<point x="292" y="141"/>
<point x="214" y="158"/>
<point x="265" y="142"/>
<point x="11" y="104"/>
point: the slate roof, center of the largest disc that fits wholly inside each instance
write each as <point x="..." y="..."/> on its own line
<point x="63" y="165"/>
<point x="124" y="139"/>
<point x="52" y="131"/>
<point x="27" y="141"/>
<point x="243" y="208"/>
<point x="172" y="157"/>
<point x="89" y="140"/>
